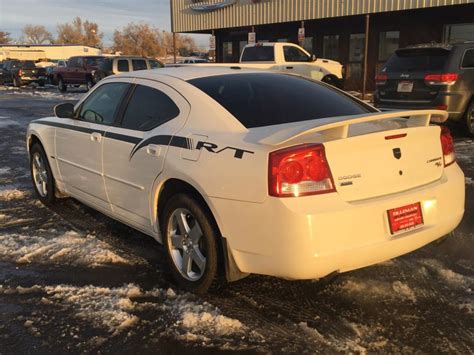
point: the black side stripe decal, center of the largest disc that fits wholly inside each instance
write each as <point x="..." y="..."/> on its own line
<point x="174" y="141"/>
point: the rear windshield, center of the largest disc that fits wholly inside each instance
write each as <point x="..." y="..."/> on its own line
<point x="28" y="64"/>
<point x="265" y="99"/>
<point x="418" y="59"/>
<point x="258" y="54"/>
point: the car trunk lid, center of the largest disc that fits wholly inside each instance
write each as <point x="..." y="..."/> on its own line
<point x="375" y="154"/>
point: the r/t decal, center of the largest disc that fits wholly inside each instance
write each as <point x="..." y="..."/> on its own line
<point x="214" y="148"/>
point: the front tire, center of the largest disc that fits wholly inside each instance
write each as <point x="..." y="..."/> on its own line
<point x="331" y="80"/>
<point x="41" y="175"/>
<point x="191" y="242"/>
<point x="61" y="85"/>
<point x="469" y="118"/>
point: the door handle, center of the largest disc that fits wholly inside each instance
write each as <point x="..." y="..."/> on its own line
<point x="153" y="149"/>
<point x="289" y="67"/>
<point x="96" y="137"/>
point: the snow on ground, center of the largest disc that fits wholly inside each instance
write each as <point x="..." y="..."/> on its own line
<point x="47" y="92"/>
<point x="114" y="309"/>
<point x="378" y="289"/>
<point x="12" y="194"/>
<point x="71" y="248"/>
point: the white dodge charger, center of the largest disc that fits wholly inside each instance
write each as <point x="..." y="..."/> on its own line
<point x="241" y="171"/>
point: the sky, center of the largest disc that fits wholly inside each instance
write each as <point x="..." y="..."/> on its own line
<point x="108" y="14"/>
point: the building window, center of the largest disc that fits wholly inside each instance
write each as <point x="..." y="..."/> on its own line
<point x="227" y="52"/>
<point x="459" y="33"/>
<point x="388" y="44"/>
<point x="356" y="57"/>
<point x="331" y="47"/>
<point x="308" y="44"/>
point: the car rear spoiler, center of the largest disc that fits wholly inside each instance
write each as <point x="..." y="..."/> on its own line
<point x="338" y="127"/>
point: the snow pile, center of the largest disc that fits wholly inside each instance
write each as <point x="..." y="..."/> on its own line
<point x="71" y="248"/>
<point x="464" y="150"/>
<point x="5" y="121"/>
<point x="448" y="275"/>
<point x="115" y="309"/>
<point x="12" y="194"/>
<point x="107" y="308"/>
<point x="4" y="171"/>
<point x="373" y="288"/>
<point x="469" y="181"/>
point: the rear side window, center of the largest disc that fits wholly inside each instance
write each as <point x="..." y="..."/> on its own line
<point x="122" y="65"/>
<point x="294" y="54"/>
<point x="418" y="59"/>
<point x="148" y="108"/>
<point x="258" y="54"/>
<point x="468" y="60"/>
<point x="264" y="99"/>
<point x="138" y="64"/>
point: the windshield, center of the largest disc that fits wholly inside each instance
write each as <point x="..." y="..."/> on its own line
<point x="417" y="59"/>
<point x="265" y="99"/>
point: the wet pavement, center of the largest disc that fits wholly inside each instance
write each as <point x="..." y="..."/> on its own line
<point x="73" y="280"/>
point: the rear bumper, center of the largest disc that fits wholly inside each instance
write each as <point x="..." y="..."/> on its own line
<point x="311" y="237"/>
<point x="456" y="103"/>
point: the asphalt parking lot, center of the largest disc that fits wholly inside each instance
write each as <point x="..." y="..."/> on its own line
<point x="73" y="280"/>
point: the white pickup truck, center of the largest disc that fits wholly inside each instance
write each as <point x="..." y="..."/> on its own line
<point x="287" y="58"/>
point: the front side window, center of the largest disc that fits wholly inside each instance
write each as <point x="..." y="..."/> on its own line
<point x="122" y="65"/>
<point x="468" y="60"/>
<point x="266" y="99"/>
<point x="294" y="54"/>
<point x="138" y="64"/>
<point x="102" y="104"/>
<point x="155" y="64"/>
<point x="148" y="108"/>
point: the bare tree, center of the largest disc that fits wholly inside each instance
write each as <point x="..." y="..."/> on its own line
<point x="5" y="37"/>
<point x="79" y="32"/>
<point x="138" y="39"/>
<point x="36" y="34"/>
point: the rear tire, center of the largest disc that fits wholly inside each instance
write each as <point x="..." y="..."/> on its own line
<point x="16" y="82"/>
<point x="61" y="85"/>
<point x="469" y="119"/>
<point x="191" y="242"/>
<point x="331" y="80"/>
<point x="89" y="83"/>
<point x="41" y="175"/>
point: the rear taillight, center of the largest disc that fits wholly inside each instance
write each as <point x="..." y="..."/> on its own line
<point x="299" y="171"/>
<point x="381" y="79"/>
<point x="20" y="72"/>
<point x="447" y="144"/>
<point x="441" y="79"/>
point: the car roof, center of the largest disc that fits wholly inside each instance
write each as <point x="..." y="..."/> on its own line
<point x="189" y="73"/>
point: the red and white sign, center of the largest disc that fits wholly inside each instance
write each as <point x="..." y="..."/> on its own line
<point x="301" y="35"/>
<point x="252" y="38"/>
<point x="405" y="218"/>
<point x="212" y="43"/>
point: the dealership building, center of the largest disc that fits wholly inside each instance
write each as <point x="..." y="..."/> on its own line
<point x="333" y="29"/>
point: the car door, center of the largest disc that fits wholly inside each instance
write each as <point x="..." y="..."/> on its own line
<point x="134" y="151"/>
<point x="298" y="62"/>
<point x="79" y="143"/>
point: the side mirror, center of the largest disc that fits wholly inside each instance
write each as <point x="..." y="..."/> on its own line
<point x="314" y="58"/>
<point x="65" y="110"/>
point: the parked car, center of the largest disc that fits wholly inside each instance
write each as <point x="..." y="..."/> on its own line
<point x="287" y="58"/>
<point x="437" y="76"/>
<point x="116" y="65"/>
<point x="51" y="71"/>
<point x="244" y="171"/>
<point x="78" y="71"/>
<point x="22" y="72"/>
<point x="194" y="60"/>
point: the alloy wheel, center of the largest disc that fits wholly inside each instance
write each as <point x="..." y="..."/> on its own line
<point x="40" y="174"/>
<point x="185" y="244"/>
